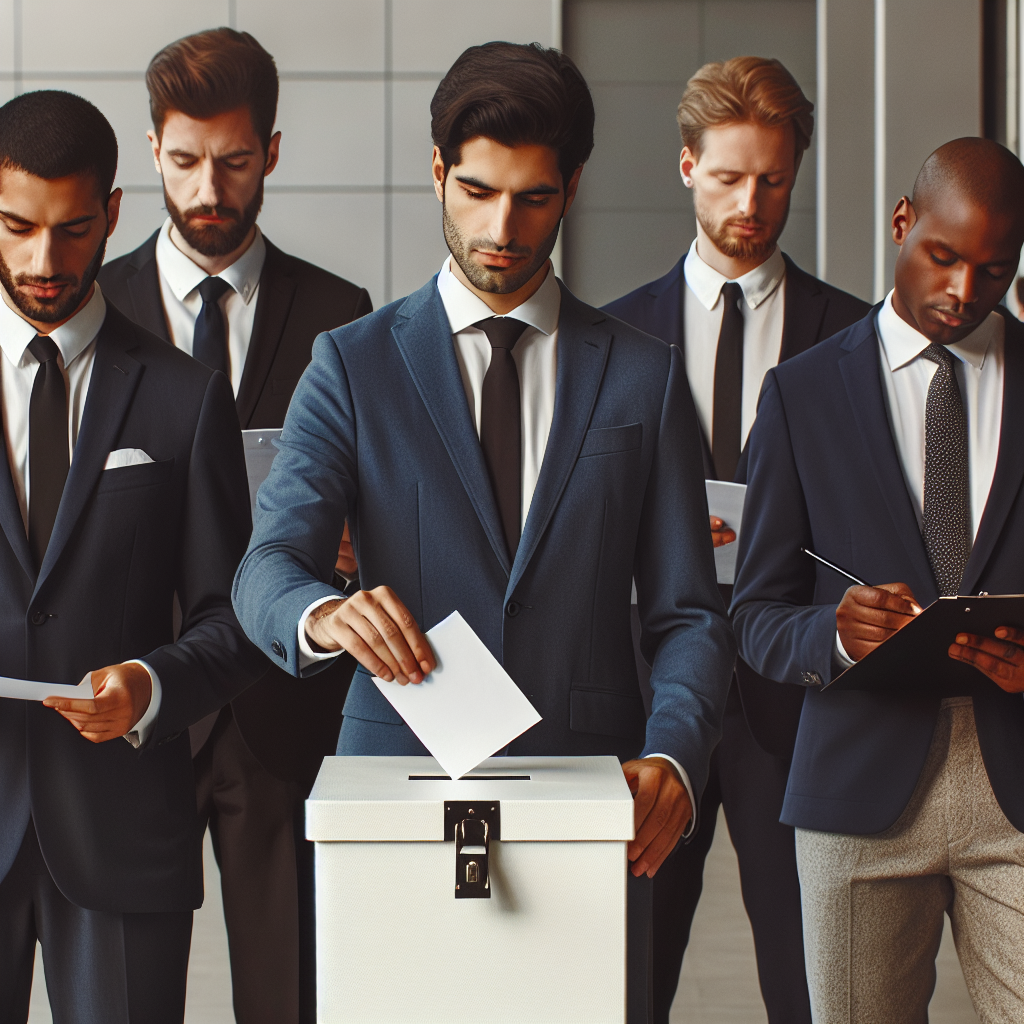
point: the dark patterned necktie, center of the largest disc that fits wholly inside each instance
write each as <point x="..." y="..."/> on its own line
<point x="727" y="402"/>
<point x="946" y="523"/>
<point x="48" y="459"/>
<point x="501" y="424"/>
<point x="210" y="339"/>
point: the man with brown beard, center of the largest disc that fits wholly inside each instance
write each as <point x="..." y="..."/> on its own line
<point x="210" y="283"/>
<point x="737" y="305"/>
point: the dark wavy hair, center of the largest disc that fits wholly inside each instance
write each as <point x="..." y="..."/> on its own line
<point x="516" y="94"/>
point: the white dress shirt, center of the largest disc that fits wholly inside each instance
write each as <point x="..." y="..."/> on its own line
<point x="536" y="358"/>
<point x="764" y="299"/>
<point x="179" y="283"/>
<point x="907" y="377"/>
<point x="76" y="343"/>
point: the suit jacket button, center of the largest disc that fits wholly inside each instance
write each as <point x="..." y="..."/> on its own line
<point x="513" y="609"/>
<point x="812" y="678"/>
<point x="278" y="648"/>
<point x="38" y="618"/>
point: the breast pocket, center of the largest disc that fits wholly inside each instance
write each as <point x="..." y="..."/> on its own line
<point x="609" y="440"/>
<point x="124" y="478"/>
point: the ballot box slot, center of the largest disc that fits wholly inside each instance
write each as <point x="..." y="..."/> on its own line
<point x="470" y="778"/>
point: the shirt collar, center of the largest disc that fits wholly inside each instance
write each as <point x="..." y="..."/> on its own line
<point x="71" y="338"/>
<point x="183" y="276"/>
<point x="464" y="308"/>
<point x="706" y="283"/>
<point x="903" y="344"/>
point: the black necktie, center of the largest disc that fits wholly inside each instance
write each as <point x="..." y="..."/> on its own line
<point x="501" y="424"/>
<point x="210" y="340"/>
<point x="946" y="523"/>
<point x="726" y="414"/>
<point x="48" y="460"/>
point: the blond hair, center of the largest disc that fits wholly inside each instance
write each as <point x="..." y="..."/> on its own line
<point x="757" y="90"/>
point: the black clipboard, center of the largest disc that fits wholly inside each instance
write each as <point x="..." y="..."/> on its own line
<point x="916" y="659"/>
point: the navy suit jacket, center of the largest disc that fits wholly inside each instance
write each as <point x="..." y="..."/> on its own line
<point x="379" y="431"/>
<point x="118" y="826"/>
<point x="824" y="473"/>
<point x="812" y="311"/>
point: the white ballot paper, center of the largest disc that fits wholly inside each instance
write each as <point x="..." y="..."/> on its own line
<point x="260" y="451"/>
<point x="28" y="689"/>
<point x="468" y="707"/>
<point x="725" y="500"/>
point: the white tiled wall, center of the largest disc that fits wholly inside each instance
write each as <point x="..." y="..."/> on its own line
<point x="352" y="191"/>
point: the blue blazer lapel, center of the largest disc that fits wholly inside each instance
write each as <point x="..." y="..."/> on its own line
<point x="115" y="375"/>
<point x="583" y="343"/>
<point x="1006" y="482"/>
<point x="424" y="338"/>
<point x="862" y="376"/>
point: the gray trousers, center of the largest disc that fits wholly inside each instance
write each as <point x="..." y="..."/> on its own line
<point x="873" y="905"/>
<point x="101" y="968"/>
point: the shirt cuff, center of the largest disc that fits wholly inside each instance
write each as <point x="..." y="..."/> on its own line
<point x="307" y="656"/>
<point x="137" y="736"/>
<point x="689" y="791"/>
<point x="844" y="659"/>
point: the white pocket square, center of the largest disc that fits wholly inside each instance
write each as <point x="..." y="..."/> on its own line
<point x="126" y="457"/>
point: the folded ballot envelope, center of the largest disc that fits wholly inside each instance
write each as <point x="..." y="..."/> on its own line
<point x="500" y="896"/>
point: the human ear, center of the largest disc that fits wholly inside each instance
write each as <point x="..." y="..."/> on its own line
<point x="904" y="217"/>
<point x="687" y="162"/>
<point x="437" y="171"/>
<point x="154" y="141"/>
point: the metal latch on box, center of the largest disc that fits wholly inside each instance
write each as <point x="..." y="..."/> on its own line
<point x="471" y="825"/>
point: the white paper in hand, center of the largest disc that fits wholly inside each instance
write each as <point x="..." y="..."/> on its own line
<point x="725" y="500"/>
<point x="28" y="689"/>
<point x="468" y="707"/>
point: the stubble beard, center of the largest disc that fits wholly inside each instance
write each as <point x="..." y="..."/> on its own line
<point x="51" y="311"/>
<point x="729" y="245"/>
<point x="211" y="240"/>
<point x="497" y="282"/>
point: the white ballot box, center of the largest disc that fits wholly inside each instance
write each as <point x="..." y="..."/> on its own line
<point x="499" y="897"/>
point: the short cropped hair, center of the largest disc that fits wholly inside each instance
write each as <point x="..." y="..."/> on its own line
<point x="515" y="94"/>
<point x="756" y="90"/>
<point x="56" y="134"/>
<point x="211" y="73"/>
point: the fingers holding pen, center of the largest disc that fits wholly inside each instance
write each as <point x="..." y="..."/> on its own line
<point x="867" y="616"/>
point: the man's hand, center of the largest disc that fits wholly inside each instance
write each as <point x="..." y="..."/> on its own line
<point x="121" y="694"/>
<point x="720" y="533"/>
<point x="346" y="563"/>
<point x="661" y="811"/>
<point x="1001" y="659"/>
<point x="378" y="631"/>
<point x="867" y="616"/>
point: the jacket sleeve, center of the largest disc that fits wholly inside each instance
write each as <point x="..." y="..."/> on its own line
<point x="780" y="632"/>
<point x="301" y="510"/>
<point x="212" y="661"/>
<point x="685" y="633"/>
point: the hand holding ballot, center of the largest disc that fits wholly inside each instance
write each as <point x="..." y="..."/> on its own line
<point x="121" y="695"/>
<point x="721" y="532"/>
<point x="1001" y="658"/>
<point x="378" y="631"/>
<point x="867" y="616"/>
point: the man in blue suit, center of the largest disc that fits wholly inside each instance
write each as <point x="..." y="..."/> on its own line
<point x="502" y="449"/>
<point x="894" y="449"/>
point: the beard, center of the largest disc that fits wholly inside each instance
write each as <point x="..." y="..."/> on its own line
<point x="731" y="246"/>
<point x="489" y="279"/>
<point x="51" y="311"/>
<point x="214" y="239"/>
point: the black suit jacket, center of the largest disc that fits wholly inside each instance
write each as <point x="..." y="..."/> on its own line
<point x="116" y="825"/>
<point x="813" y="311"/>
<point x="288" y="728"/>
<point x="825" y="471"/>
